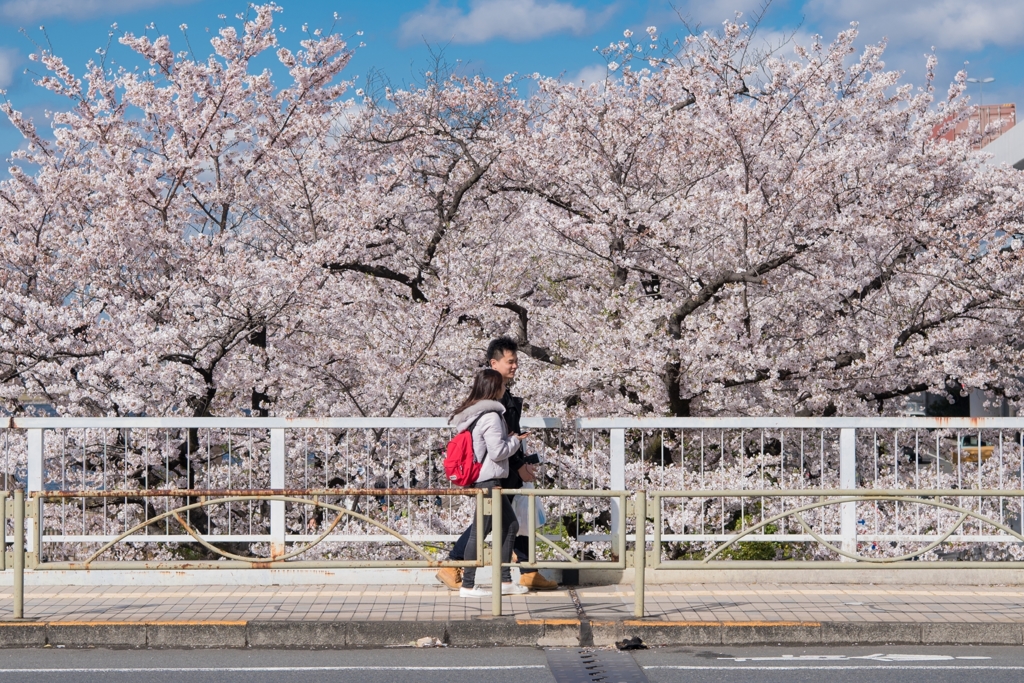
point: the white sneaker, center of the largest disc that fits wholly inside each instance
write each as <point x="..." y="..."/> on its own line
<point x="513" y="589"/>
<point x="474" y="592"/>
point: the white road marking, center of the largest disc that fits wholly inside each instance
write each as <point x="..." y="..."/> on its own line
<point x="846" y="658"/>
<point x="264" y="669"/>
<point x="839" y="667"/>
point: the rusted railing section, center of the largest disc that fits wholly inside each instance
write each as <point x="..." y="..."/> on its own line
<point x="22" y="508"/>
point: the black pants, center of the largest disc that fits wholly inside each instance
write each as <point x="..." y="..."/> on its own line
<point x="508" y="531"/>
<point x="521" y="546"/>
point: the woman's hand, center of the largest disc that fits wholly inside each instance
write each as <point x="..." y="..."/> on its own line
<point x="528" y="472"/>
<point x="523" y="435"/>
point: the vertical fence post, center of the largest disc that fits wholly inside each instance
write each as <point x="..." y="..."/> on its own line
<point x="848" y="480"/>
<point x="640" y="553"/>
<point x="617" y="463"/>
<point x="496" y="539"/>
<point x="531" y="512"/>
<point x="35" y="477"/>
<point x="481" y="502"/>
<point x="19" y="554"/>
<point x="277" y="525"/>
<point x="4" y="505"/>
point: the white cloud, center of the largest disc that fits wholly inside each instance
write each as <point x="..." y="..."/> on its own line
<point x="516" y="20"/>
<point x="589" y="75"/>
<point x="988" y="33"/>
<point x="9" y="60"/>
<point x="952" y="24"/>
<point x="13" y="11"/>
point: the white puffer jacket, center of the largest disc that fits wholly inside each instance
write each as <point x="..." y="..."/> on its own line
<point x="492" y="444"/>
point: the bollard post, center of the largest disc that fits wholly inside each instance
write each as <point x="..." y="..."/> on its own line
<point x="640" y="553"/>
<point x="496" y="538"/>
<point x="19" y="554"/>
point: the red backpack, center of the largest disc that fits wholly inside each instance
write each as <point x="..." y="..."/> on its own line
<point x="460" y="466"/>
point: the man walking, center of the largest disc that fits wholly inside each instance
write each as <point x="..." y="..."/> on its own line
<point x="503" y="356"/>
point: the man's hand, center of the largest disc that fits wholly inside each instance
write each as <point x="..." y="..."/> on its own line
<point x="528" y="472"/>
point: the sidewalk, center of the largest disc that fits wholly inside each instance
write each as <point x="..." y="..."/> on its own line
<point x="349" y="616"/>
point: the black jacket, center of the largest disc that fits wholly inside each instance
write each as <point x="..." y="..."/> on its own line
<point x="513" y="413"/>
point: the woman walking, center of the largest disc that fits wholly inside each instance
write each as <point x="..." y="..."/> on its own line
<point x="482" y="414"/>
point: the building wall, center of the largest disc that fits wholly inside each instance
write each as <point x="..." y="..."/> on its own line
<point x="980" y="120"/>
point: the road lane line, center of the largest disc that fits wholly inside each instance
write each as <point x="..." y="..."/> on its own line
<point x="838" y="667"/>
<point x="265" y="669"/>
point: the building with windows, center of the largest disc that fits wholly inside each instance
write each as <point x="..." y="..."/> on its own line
<point x="989" y="122"/>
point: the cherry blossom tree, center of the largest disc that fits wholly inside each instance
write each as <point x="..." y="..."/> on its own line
<point x="711" y="231"/>
<point x="764" y="237"/>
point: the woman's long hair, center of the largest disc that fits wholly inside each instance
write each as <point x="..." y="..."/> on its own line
<point x="486" y="387"/>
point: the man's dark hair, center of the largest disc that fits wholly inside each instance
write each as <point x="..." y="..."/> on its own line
<point x="497" y="348"/>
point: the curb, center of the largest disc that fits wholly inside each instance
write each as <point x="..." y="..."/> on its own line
<point x="499" y="631"/>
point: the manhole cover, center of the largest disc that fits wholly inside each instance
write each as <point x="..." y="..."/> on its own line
<point x="603" y="666"/>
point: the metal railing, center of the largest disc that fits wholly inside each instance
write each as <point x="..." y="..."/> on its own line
<point x="22" y="512"/>
<point x="193" y="500"/>
<point x="750" y="492"/>
<point x="237" y="454"/>
<point x="949" y="511"/>
<point x="44" y="454"/>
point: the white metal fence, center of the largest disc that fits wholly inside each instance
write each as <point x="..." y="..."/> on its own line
<point x="731" y="455"/>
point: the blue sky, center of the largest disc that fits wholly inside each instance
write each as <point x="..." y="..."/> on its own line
<point x="496" y="37"/>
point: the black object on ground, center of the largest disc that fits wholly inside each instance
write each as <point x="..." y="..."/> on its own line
<point x="634" y="643"/>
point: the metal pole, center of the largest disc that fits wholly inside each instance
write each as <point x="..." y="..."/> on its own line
<point x="496" y="538"/>
<point x="532" y="528"/>
<point x="480" y="502"/>
<point x="617" y="479"/>
<point x="34" y="515"/>
<point x="640" y="553"/>
<point x="3" y="531"/>
<point x="848" y="480"/>
<point x="19" y="554"/>
<point x="35" y="464"/>
<point x="277" y="481"/>
<point x="656" y="536"/>
<point x="35" y="459"/>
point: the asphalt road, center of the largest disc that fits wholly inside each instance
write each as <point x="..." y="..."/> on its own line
<point x="514" y="665"/>
<point x="882" y="663"/>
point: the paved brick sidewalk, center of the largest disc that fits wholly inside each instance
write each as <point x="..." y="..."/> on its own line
<point x="689" y="603"/>
<point x="805" y="602"/>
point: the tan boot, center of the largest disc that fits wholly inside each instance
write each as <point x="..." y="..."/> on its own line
<point x="451" y="577"/>
<point x="537" y="582"/>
